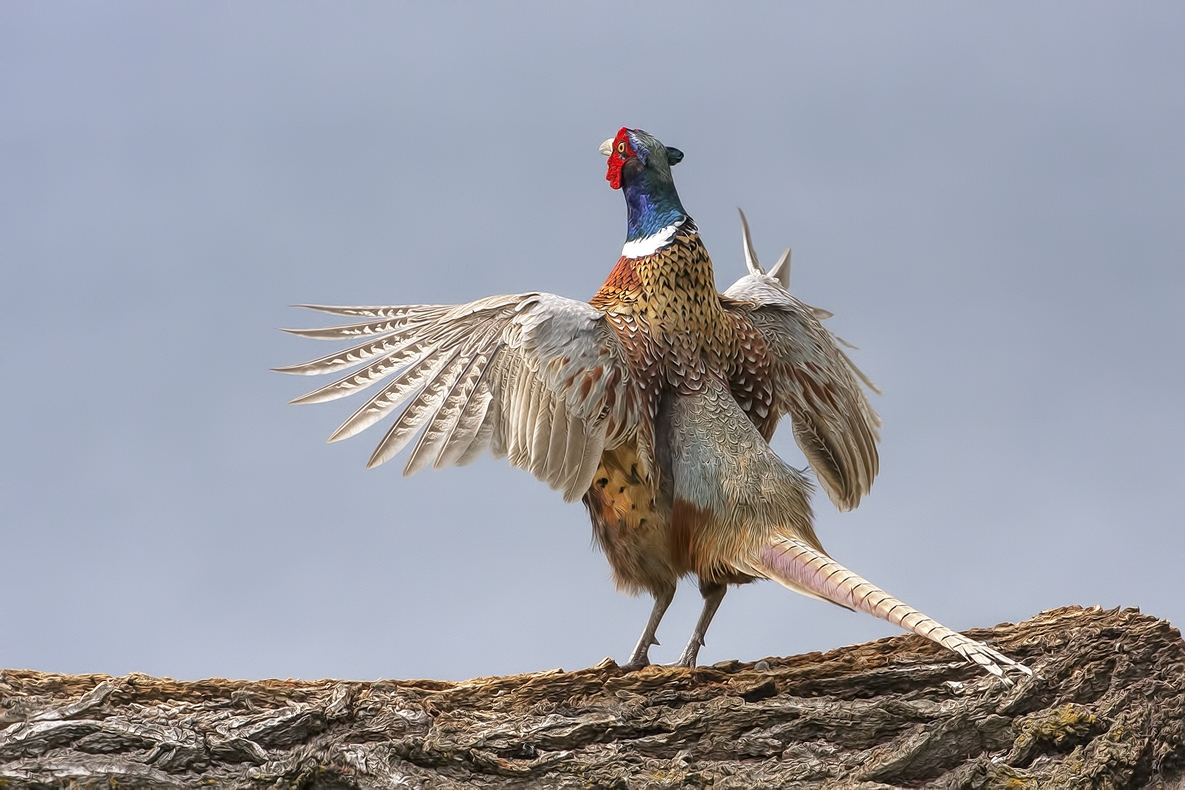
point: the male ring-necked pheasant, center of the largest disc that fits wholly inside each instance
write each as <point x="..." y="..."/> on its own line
<point x="653" y="402"/>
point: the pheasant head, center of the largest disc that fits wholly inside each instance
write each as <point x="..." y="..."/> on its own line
<point x="640" y="166"/>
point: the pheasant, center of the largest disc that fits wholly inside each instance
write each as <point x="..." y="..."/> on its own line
<point x="654" y="402"/>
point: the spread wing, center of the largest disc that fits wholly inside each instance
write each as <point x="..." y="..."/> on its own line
<point x="817" y="385"/>
<point x="536" y="378"/>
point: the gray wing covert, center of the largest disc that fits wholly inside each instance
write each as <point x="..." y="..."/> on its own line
<point x="817" y="385"/>
<point x="536" y="378"/>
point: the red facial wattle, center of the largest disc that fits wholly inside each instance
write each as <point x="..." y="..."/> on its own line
<point x="622" y="150"/>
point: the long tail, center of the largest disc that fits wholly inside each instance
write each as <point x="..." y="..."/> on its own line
<point x="747" y="510"/>
<point x="796" y="565"/>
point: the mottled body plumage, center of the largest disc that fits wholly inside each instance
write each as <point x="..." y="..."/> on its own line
<point x="678" y="337"/>
<point x="653" y="402"/>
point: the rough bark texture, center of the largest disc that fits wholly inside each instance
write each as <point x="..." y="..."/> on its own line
<point x="1106" y="709"/>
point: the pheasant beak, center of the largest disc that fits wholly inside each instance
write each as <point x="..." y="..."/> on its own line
<point x="607" y="147"/>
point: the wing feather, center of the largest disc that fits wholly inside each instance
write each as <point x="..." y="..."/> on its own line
<point x="574" y="451"/>
<point x="348" y="357"/>
<point x="442" y="425"/>
<point x="817" y="385"/>
<point x="400" y="355"/>
<point x="406" y="384"/>
<point x="556" y="454"/>
<point x="471" y="437"/>
<point x="388" y="311"/>
<point x="427" y="401"/>
<point x="391" y="322"/>
<point x="541" y="438"/>
<point x="536" y="377"/>
<point x="467" y="431"/>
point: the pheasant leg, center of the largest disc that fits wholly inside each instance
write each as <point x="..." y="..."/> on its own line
<point x="713" y="593"/>
<point x="641" y="655"/>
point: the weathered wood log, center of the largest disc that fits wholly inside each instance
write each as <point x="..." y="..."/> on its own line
<point x="1106" y="709"/>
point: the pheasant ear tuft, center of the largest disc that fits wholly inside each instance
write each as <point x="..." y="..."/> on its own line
<point x="747" y="245"/>
<point x="674" y="156"/>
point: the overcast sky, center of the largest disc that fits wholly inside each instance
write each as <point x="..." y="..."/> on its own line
<point x="989" y="196"/>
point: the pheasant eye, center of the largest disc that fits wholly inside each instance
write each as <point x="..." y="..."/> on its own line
<point x="621" y="147"/>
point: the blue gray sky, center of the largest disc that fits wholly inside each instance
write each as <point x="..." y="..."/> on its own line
<point x="990" y="197"/>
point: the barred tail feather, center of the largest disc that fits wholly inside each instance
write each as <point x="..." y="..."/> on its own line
<point x="796" y="565"/>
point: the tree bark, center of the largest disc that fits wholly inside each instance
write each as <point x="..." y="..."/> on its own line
<point x="1106" y="709"/>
